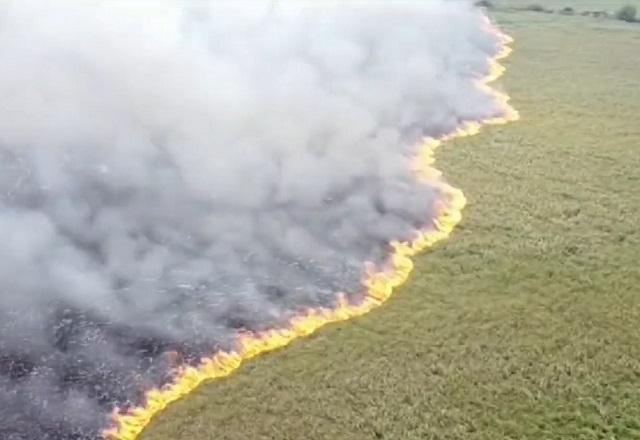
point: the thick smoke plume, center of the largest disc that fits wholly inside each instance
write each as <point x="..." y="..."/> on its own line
<point x="174" y="171"/>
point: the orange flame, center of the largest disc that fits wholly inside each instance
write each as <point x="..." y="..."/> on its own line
<point x="379" y="283"/>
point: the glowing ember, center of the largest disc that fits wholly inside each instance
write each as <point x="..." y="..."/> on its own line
<point x="379" y="282"/>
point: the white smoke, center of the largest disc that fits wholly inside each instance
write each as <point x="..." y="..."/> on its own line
<point x="172" y="171"/>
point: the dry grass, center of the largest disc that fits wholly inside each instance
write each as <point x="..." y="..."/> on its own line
<point x="524" y="324"/>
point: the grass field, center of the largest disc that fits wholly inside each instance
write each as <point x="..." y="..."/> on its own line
<point x="524" y="325"/>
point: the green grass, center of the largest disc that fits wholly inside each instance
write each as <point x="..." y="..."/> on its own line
<point x="524" y="325"/>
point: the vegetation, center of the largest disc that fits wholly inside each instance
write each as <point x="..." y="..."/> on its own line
<point x="536" y="7"/>
<point x="592" y="5"/>
<point x="627" y="13"/>
<point x="524" y="324"/>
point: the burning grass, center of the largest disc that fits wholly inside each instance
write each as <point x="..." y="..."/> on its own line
<point x="524" y="323"/>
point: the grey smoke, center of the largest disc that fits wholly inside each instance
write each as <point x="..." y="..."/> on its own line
<point x="172" y="171"/>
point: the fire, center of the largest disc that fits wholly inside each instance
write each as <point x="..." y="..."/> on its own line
<point x="379" y="283"/>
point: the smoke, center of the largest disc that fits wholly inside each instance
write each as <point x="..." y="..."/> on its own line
<point x="172" y="172"/>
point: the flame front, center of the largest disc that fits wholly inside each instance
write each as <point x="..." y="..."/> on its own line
<point x="379" y="283"/>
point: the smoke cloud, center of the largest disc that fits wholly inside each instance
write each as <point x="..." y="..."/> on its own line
<point x="174" y="171"/>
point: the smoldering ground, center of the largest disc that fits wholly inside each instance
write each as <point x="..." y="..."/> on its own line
<point x="174" y="171"/>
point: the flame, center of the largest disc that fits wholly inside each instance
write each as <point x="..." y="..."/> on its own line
<point x="379" y="283"/>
